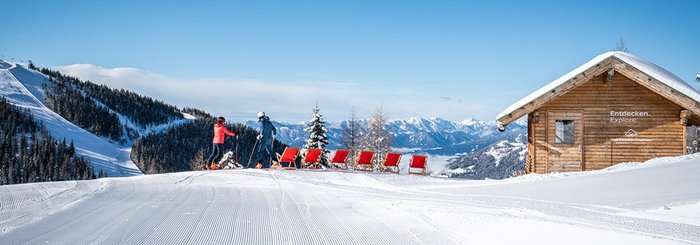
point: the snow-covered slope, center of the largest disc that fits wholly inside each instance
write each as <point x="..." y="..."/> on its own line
<point x="22" y="87"/>
<point x="657" y="202"/>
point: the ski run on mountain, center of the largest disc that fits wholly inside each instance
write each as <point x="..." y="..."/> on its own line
<point x="655" y="202"/>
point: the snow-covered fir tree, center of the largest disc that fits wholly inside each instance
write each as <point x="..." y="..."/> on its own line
<point x="378" y="137"/>
<point x="317" y="135"/>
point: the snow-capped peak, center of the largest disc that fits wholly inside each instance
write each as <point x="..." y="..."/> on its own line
<point x="470" y="121"/>
<point x="432" y="135"/>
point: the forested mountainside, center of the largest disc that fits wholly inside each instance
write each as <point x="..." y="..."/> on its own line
<point x="184" y="147"/>
<point x="28" y="153"/>
<point x="117" y="114"/>
<point x="497" y="161"/>
<point x="163" y="140"/>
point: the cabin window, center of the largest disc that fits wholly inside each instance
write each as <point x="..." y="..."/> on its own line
<point x="564" y="131"/>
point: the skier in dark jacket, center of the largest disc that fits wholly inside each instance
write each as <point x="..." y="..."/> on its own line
<point x="220" y="132"/>
<point x="267" y="132"/>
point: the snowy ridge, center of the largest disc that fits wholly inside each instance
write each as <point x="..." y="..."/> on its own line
<point x="22" y="87"/>
<point x="501" y="149"/>
<point x="498" y="161"/>
<point x="318" y="207"/>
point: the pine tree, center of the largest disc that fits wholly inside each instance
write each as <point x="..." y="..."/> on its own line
<point x="317" y="135"/>
<point x="28" y="153"/>
<point x="32" y="66"/>
<point x="352" y="136"/>
<point x="378" y="138"/>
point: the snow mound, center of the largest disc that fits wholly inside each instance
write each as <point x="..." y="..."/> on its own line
<point x="656" y="202"/>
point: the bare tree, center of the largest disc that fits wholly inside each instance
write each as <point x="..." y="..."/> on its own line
<point x="352" y="136"/>
<point x="378" y="138"/>
<point x="621" y="46"/>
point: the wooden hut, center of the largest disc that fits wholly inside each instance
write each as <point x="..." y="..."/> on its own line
<point x="615" y="108"/>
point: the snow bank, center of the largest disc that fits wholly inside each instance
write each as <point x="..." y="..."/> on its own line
<point x="651" y="203"/>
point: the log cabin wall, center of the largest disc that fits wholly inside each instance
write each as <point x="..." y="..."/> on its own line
<point x="615" y="120"/>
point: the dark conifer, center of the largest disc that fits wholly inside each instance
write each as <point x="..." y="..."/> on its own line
<point x="28" y="153"/>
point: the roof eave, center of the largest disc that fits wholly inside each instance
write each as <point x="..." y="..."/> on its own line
<point x="563" y="88"/>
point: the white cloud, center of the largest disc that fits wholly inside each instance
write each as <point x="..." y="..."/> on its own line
<point x="240" y="99"/>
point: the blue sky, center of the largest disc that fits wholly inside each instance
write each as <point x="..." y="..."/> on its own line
<point x="451" y="59"/>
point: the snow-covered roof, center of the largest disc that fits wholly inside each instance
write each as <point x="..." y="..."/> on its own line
<point x="647" y="67"/>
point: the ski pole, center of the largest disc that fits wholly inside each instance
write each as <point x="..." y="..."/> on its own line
<point x="251" y="153"/>
<point x="236" y="152"/>
<point x="273" y="154"/>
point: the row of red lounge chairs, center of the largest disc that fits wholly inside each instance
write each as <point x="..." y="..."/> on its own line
<point x="363" y="162"/>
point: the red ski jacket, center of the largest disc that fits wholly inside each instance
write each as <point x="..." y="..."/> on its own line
<point x="219" y="131"/>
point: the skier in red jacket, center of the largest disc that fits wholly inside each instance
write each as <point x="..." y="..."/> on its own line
<point x="220" y="131"/>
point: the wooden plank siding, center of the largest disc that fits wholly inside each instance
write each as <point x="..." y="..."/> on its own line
<point x="657" y="132"/>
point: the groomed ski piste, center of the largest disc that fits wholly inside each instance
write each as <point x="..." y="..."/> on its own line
<point x="657" y="202"/>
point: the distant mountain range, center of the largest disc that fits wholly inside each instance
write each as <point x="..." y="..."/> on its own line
<point x="434" y="135"/>
<point x="477" y="149"/>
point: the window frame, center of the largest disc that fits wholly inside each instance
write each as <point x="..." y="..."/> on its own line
<point x="567" y="126"/>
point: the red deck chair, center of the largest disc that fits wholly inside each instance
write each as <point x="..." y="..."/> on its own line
<point x="391" y="162"/>
<point x="311" y="157"/>
<point x="339" y="158"/>
<point x="364" y="161"/>
<point x="289" y="156"/>
<point x="418" y="162"/>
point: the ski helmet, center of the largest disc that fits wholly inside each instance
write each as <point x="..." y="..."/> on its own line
<point x="261" y="114"/>
<point x="221" y="120"/>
